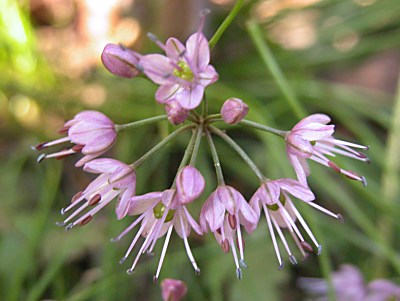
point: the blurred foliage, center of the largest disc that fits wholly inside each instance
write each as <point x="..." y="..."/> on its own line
<point x="348" y="70"/>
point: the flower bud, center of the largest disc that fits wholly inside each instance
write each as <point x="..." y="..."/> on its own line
<point x="176" y="114"/>
<point x="234" y="110"/>
<point x="120" y="60"/>
<point x="173" y="290"/>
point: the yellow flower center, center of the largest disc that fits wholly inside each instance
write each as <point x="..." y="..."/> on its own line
<point x="183" y="71"/>
<point x="158" y="211"/>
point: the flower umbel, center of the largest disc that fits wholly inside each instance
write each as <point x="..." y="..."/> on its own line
<point x="312" y="138"/>
<point x="92" y="132"/>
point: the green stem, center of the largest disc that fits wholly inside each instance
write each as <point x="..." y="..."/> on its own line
<point x="212" y="117"/>
<point x="228" y="20"/>
<point x="196" y="145"/>
<point x="263" y="128"/>
<point x="214" y="153"/>
<point x="240" y="152"/>
<point x="390" y="180"/>
<point x="269" y="60"/>
<point x="204" y="112"/>
<point x="161" y="144"/>
<point x="120" y="127"/>
<point x="187" y="154"/>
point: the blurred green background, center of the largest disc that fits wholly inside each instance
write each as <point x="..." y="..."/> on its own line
<point x="340" y="57"/>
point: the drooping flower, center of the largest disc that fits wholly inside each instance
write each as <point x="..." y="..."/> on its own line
<point x="312" y="138"/>
<point x="184" y="72"/>
<point x="223" y="213"/>
<point x="234" y="110"/>
<point x="91" y="132"/>
<point x="173" y="289"/>
<point x="273" y="197"/>
<point x="121" y="61"/>
<point x="115" y="179"/>
<point x="161" y="212"/>
<point x="349" y="285"/>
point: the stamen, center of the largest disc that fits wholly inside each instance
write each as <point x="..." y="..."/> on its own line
<point x="43" y="145"/>
<point x="143" y="246"/>
<point x="281" y="266"/>
<point x="154" y="38"/>
<point x="225" y="246"/>
<point x="239" y="273"/>
<point x="272" y="233"/>
<point x="95" y="200"/>
<point x="60" y="224"/>
<point x="69" y="227"/>
<point x="64" y="130"/>
<point x="187" y="247"/>
<point x="303" y="223"/>
<point x="334" y="166"/>
<point x="77" y="148"/>
<point x="155" y="279"/>
<point x="129" y="271"/>
<point x="122" y="260"/>
<point x="41" y="158"/>
<point x="76" y="196"/>
<point x="86" y="220"/>
<point x="324" y="210"/>
<point x="128" y="229"/>
<point x="293" y="259"/>
<point x="306" y="246"/>
<point x="164" y="250"/>
<point x="235" y="258"/>
<point x="232" y="221"/>
<point x="40" y="146"/>
<point x="283" y="239"/>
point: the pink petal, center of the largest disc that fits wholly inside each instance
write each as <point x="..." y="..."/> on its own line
<point x="139" y="204"/>
<point x="300" y="167"/>
<point x="190" y="98"/>
<point x="158" y="68"/>
<point x="208" y="76"/>
<point x="298" y="146"/>
<point x="174" y="49"/>
<point x="196" y="227"/>
<point x="296" y="189"/>
<point x="122" y="177"/>
<point x="212" y="213"/>
<point x="189" y="184"/>
<point x="93" y="116"/>
<point x="198" y="51"/>
<point x="318" y="118"/>
<point x="166" y="93"/>
<point x="99" y="143"/>
<point x="121" y="209"/>
<point x="315" y="131"/>
<point x="102" y="165"/>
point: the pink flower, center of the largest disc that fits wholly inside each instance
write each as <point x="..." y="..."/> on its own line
<point x="115" y="179"/>
<point x="92" y="132"/>
<point x="234" y="110"/>
<point x="223" y="213"/>
<point x="173" y="290"/>
<point x="120" y="60"/>
<point x="274" y="198"/>
<point x="183" y="73"/>
<point x="161" y="212"/>
<point x="349" y="285"/>
<point x="313" y="139"/>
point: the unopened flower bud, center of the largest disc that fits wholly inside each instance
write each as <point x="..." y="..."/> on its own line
<point x="176" y="114"/>
<point x="173" y="290"/>
<point x="120" y="60"/>
<point x="234" y="110"/>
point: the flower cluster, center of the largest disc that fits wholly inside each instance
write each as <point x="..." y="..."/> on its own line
<point x="183" y="74"/>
